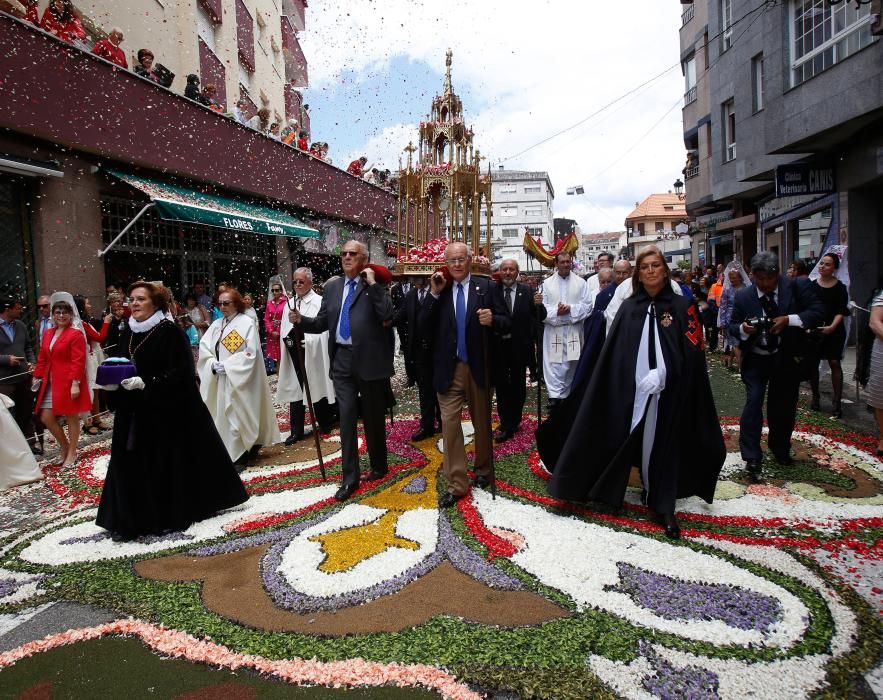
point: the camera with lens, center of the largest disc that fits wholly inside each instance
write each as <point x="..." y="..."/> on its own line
<point x="763" y="326"/>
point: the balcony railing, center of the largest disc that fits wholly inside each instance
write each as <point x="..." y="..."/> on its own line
<point x="687" y="14"/>
<point x="690" y="173"/>
<point x="690" y="96"/>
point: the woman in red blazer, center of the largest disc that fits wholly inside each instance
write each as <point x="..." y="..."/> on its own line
<point x="60" y="379"/>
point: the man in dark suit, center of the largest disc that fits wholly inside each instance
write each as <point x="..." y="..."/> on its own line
<point x="398" y="292"/>
<point x="16" y="361"/>
<point x="453" y="319"/>
<point x="419" y="356"/>
<point x="357" y="311"/>
<point x="514" y="351"/>
<point x="771" y="357"/>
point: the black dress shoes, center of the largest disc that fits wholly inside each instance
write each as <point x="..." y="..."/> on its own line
<point x="421" y="435"/>
<point x="670" y="523"/>
<point x="481" y="481"/>
<point x="374" y="475"/>
<point x="784" y="460"/>
<point x="345" y="492"/>
<point x="502" y="435"/>
<point x="291" y="439"/>
<point x="752" y="466"/>
<point x="448" y="500"/>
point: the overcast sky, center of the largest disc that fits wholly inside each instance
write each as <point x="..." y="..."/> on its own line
<point x="525" y="71"/>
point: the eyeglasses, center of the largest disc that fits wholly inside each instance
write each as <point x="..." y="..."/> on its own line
<point x="457" y="261"/>
<point x="61" y="312"/>
<point x="224" y="303"/>
<point x="276" y="289"/>
<point x="42" y="306"/>
<point x="349" y="253"/>
<point x="299" y="282"/>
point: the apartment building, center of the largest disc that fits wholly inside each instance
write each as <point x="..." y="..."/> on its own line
<point x="783" y="131"/>
<point x="521" y="202"/>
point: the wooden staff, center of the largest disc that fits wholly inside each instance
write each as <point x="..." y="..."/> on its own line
<point x="301" y="365"/>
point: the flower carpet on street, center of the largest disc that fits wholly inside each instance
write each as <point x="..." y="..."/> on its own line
<point x="773" y="592"/>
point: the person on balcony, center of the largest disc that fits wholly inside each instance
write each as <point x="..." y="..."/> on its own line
<point x="302" y="141"/>
<point x="209" y="95"/>
<point x="192" y="90"/>
<point x="31" y="12"/>
<point x="144" y="68"/>
<point x="288" y="135"/>
<point x="357" y="167"/>
<point x="60" y="19"/>
<point x="109" y="48"/>
<point x="261" y="121"/>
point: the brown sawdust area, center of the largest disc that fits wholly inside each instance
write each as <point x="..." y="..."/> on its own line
<point x="301" y="451"/>
<point x="232" y="587"/>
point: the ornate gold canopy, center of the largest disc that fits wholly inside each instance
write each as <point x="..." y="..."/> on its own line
<point x="442" y="192"/>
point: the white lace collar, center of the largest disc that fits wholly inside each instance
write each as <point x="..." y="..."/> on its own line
<point x="146" y="325"/>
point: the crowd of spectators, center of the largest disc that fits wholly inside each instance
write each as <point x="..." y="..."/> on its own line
<point x="61" y="19"/>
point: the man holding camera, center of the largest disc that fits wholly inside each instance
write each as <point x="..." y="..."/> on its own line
<point x="770" y="318"/>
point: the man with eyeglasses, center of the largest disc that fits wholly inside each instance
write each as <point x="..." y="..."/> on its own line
<point x="44" y="320"/>
<point x="357" y="313"/>
<point x="315" y="352"/>
<point x="453" y="320"/>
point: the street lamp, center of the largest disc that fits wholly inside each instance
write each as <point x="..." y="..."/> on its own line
<point x="679" y="187"/>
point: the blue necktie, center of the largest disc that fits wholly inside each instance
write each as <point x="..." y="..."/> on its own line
<point x="461" y="324"/>
<point x="345" y="311"/>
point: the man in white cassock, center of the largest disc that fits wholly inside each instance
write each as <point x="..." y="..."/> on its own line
<point x="233" y="381"/>
<point x="567" y="301"/>
<point x="290" y="387"/>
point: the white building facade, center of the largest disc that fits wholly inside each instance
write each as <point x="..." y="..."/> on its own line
<point x="522" y="201"/>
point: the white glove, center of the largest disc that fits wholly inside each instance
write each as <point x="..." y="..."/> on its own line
<point x="652" y="383"/>
<point x="218" y="368"/>
<point x="35" y="385"/>
<point x="132" y="383"/>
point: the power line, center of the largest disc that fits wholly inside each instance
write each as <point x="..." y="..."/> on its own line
<point x="762" y="7"/>
<point x="593" y="114"/>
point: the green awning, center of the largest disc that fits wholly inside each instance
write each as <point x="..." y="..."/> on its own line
<point x="175" y="203"/>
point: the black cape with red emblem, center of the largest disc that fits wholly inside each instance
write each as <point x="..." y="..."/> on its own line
<point x="595" y="461"/>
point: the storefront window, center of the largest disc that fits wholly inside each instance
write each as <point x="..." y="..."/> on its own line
<point x="179" y="254"/>
<point x="810" y="235"/>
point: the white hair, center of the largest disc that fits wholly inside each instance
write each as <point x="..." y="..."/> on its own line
<point x="305" y="271"/>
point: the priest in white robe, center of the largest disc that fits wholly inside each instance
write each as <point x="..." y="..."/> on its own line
<point x="17" y="463"/>
<point x="568" y="303"/>
<point x="290" y="387"/>
<point x="233" y="381"/>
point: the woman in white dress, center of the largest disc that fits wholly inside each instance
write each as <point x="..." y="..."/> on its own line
<point x="17" y="463"/>
<point x="233" y="381"/>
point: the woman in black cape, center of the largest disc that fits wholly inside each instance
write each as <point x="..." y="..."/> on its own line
<point x="168" y="467"/>
<point x="632" y="394"/>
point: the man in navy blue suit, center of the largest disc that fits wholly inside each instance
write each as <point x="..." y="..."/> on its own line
<point x="453" y="319"/>
<point x="771" y="356"/>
